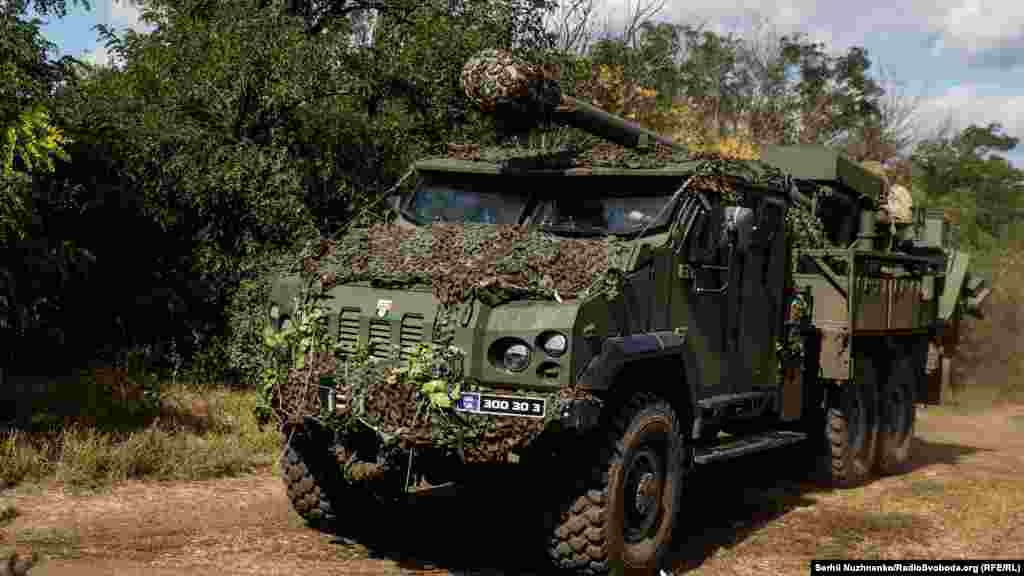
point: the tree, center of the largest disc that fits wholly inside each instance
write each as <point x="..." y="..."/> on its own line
<point x="888" y="136"/>
<point x="28" y="139"/>
<point x="965" y="173"/>
<point x="234" y="130"/>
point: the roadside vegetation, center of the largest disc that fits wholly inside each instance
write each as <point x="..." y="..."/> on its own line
<point x="109" y="425"/>
<point x="989" y="368"/>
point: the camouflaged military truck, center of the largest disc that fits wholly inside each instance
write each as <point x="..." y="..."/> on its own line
<point x="621" y="314"/>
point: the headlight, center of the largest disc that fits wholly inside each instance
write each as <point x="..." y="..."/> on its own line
<point x="554" y="344"/>
<point x="516" y="357"/>
<point x="275" y="313"/>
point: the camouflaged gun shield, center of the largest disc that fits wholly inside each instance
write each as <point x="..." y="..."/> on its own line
<point x="495" y="78"/>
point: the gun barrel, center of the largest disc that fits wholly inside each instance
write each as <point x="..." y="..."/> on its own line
<point x="499" y="84"/>
<point x="594" y="120"/>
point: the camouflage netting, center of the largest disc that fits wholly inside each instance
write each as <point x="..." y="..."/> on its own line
<point x="594" y="155"/>
<point x="392" y="401"/>
<point x="495" y="81"/>
<point x="463" y="261"/>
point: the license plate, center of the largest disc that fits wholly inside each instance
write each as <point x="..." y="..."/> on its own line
<point x="501" y="405"/>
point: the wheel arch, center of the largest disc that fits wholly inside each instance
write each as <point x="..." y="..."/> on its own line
<point x="653" y="362"/>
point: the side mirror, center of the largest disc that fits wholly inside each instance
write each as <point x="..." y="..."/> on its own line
<point x="768" y="222"/>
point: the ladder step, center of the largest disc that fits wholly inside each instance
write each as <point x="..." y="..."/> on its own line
<point x="724" y="400"/>
<point x="747" y="445"/>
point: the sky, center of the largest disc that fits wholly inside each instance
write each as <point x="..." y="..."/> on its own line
<point x="964" y="59"/>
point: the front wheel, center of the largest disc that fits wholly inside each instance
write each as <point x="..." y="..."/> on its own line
<point x="309" y="481"/>
<point x="624" y="516"/>
<point x="327" y="498"/>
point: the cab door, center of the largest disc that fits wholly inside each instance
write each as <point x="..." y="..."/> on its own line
<point x="759" y="297"/>
<point x="704" y="276"/>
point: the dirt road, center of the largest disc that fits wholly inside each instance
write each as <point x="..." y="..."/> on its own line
<point x="964" y="498"/>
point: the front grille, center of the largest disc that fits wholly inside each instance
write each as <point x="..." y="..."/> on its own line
<point x="380" y="339"/>
<point x="348" y="329"/>
<point x="380" y="344"/>
<point x="411" y="334"/>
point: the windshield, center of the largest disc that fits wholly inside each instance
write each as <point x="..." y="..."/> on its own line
<point x="602" y="216"/>
<point x="464" y="200"/>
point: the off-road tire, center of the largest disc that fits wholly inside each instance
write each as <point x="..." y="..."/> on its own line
<point x="897" y="411"/>
<point x="851" y="432"/>
<point x="309" y="482"/>
<point x="589" y="536"/>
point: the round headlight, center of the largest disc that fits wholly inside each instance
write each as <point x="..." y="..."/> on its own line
<point x="275" y="312"/>
<point x="555" y="344"/>
<point x="516" y="357"/>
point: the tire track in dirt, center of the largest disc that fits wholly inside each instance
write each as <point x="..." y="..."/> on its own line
<point x="961" y="499"/>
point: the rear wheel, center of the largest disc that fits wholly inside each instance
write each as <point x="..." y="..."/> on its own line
<point x="625" y="515"/>
<point x="897" y="410"/>
<point x="851" y="427"/>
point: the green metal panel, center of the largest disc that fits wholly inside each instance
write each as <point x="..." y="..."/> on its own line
<point x="815" y="162"/>
<point x="955" y="274"/>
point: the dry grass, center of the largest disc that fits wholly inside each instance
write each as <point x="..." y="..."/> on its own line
<point x="8" y="514"/>
<point x="60" y="543"/>
<point x="988" y="368"/>
<point x="962" y="499"/>
<point x="188" y="433"/>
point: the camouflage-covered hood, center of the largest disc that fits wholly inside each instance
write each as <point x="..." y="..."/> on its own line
<point x="461" y="261"/>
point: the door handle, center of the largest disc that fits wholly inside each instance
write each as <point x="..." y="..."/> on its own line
<point x="713" y="291"/>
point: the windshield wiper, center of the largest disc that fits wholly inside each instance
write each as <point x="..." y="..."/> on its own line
<point x="589" y="231"/>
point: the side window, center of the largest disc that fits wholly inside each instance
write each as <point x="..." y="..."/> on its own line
<point x="707" y="252"/>
<point x="770" y="222"/>
<point x="705" y="237"/>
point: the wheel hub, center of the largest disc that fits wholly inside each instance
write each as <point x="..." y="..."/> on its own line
<point x="646" y="493"/>
<point x="644" y="485"/>
<point x="897" y="417"/>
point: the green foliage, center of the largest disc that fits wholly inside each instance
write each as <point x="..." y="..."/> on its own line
<point x="240" y="129"/>
<point x="964" y="174"/>
<point x="36" y="140"/>
<point x="776" y="90"/>
<point x="29" y="139"/>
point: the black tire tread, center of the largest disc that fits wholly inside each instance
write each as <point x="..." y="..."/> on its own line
<point x="837" y="428"/>
<point x="894" y="449"/>
<point x="578" y="540"/>
<point x="845" y="469"/>
<point x="307" y="484"/>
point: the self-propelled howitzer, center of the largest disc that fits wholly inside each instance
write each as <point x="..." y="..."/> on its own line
<point x="605" y="325"/>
